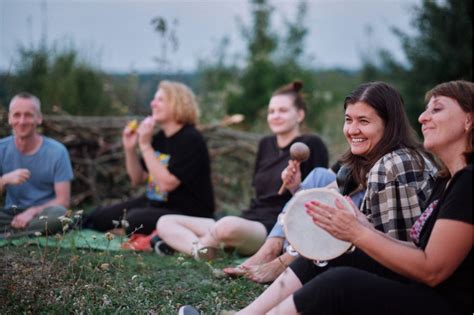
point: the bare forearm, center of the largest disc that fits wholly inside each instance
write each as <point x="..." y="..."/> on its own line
<point x="401" y="257"/>
<point x="165" y="180"/>
<point x="134" y="169"/>
<point x="58" y="201"/>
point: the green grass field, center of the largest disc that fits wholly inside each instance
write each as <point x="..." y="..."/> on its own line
<point x="49" y="280"/>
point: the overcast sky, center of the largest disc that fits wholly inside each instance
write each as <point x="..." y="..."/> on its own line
<point x="117" y="35"/>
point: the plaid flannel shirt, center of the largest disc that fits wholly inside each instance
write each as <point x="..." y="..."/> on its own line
<point x="397" y="192"/>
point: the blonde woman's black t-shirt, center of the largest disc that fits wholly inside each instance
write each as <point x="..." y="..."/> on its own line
<point x="186" y="156"/>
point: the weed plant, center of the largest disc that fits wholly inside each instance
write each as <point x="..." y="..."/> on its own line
<point x="35" y="280"/>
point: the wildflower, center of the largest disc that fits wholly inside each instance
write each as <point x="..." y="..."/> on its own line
<point x="65" y="228"/>
<point x="109" y="236"/>
<point x="79" y="212"/>
<point x="105" y="266"/>
<point x="64" y="219"/>
<point x="106" y="300"/>
<point x="94" y="237"/>
<point x="58" y="237"/>
<point x="115" y="223"/>
<point x="43" y="218"/>
<point x="125" y="223"/>
<point x="37" y="233"/>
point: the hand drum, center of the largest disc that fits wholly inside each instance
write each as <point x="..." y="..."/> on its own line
<point x="308" y="239"/>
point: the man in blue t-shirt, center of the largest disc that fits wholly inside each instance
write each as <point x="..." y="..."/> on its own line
<point x="35" y="173"/>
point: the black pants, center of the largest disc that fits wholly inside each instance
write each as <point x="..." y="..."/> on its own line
<point x="140" y="214"/>
<point x="356" y="284"/>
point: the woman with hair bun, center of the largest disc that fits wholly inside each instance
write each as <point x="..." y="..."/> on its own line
<point x="201" y="237"/>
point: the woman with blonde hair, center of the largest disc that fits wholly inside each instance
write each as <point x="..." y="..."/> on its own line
<point x="174" y="165"/>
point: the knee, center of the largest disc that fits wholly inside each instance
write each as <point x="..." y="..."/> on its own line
<point x="340" y="277"/>
<point x="166" y="224"/>
<point x="226" y="228"/>
<point x="54" y="212"/>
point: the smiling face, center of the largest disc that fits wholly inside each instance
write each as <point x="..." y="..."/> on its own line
<point x="283" y="117"/>
<point x="160" y="108"/>
<point x="445" y="126"/>
<point x="363" y="128"/>
<point x="24" y="117"/>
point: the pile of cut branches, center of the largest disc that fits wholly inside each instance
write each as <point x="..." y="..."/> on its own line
<point x="94" y="145"/>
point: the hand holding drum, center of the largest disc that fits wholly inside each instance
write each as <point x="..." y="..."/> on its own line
<point x="298" y="152"/>
<point x="304" y="236"/>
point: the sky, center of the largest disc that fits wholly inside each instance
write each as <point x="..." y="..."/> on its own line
<point x="117" y="35"/>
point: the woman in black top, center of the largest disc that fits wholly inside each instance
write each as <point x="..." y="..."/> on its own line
<point x="174" y="164"/>
<point x="432" y="274"/>
<point x="247" y="233"/>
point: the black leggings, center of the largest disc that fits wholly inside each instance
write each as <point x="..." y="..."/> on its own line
<point x="140" y="214"/>
<point x="356" y="284"/>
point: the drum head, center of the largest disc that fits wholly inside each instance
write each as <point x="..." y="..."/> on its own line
<point x="308" y="239"/>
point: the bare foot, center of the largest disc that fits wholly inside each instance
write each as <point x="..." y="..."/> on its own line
<point x="235" y="271"/>
<point x="265" y="273"/>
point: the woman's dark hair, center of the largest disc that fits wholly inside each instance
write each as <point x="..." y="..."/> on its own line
<point x="462" y="92"/>
<point x="293" y="89"/>
<point x="398" y="133"/>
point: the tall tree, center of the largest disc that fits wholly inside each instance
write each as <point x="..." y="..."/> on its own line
<point x="63" y="83"/>
<point x="257" y="79"/>
<point x="440" y="51"/>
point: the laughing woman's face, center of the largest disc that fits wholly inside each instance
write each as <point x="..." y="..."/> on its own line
<point x="363" y="128"/>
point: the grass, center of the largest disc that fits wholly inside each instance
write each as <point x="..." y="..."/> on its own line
<point x="34" y="280"/>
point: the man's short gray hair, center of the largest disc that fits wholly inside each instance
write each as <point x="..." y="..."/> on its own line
<point x="28" y="96"/>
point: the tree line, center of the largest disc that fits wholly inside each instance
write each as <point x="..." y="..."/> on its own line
<point x="440" y="50"/>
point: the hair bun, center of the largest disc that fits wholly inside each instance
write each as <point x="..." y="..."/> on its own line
<point x="297" y="85"/>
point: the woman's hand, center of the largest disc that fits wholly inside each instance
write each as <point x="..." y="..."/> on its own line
<point x="145" y="132"/>
<point x="337" y="221"/>
<point x="291" y="175"/>
<point x="129" y="137"/>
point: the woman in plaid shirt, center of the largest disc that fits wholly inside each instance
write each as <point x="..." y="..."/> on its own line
<point x="386" y="160"/>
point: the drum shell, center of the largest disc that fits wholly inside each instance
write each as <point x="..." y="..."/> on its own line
<point x="308" y="239"/>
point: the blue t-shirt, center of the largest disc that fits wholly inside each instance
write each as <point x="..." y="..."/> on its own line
<point x="49" y="165"/>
